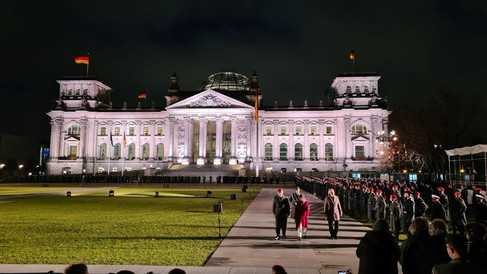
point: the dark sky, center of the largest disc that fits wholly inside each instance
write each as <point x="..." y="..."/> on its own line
<point x="296" y="47"/>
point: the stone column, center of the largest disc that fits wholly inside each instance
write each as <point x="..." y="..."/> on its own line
<point x="290" y="147"/>
<point x="275" y="146"/>
<point x="187" y="137"/>
<point x="56" y="137"/>
<point x="202" y="143"/>
<point x="346" y="140"/>
<point x="191" y="140"/>
<point x="83" y="136"/>
<point x="152" y="146"/>
<point x="233" y="137"/>
<point x="170" y="155"/>
<point x="219" y="142"/>
<point x="306" y="140"/>
<point x="249" y="136"/>
<point x="138" y="145"/>
<point x="321" y="140"/>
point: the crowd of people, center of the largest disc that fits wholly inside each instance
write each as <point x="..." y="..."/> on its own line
<point x="421" y="212"/>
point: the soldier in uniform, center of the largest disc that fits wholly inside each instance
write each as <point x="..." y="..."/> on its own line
<point x="356" y="200"/>
<point x="280" y="208"/>
<point x="437" y="209"/>
<point x="364" y="196"/>
<point x="380" y="206"/>
<point x="458" y="209"/>
<point x="395" y="215"/>
<point x="371" y="201"/>
<point x="445" y="202"/>
<point x="294" y="201"/>
<point x="420" y="205"/>
<point x="408" y="210"/>
<point x="481" y="210"/>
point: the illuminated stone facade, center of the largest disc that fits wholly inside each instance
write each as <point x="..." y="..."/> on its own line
<point x="216" y="126"/>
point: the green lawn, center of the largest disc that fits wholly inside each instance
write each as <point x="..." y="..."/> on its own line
<point x="130" y="228"/>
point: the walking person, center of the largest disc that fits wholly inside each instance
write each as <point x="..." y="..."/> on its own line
<point x="458" y="209"/>
<point x="301" y="216"/>
<point x="395" y="215"/>
<point x="280" y="208"/>
<point x="408" y="210"/>
<point x="333" y="212"/>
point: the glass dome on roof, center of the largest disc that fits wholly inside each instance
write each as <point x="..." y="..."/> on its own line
<point x="226" y="81"/>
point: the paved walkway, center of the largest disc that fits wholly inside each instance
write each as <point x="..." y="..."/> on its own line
<point x="250" y="246"/>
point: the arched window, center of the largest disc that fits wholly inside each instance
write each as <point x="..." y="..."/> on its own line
<point x="268" y="152"/>
<point x="359" y="129"/>
<point x="145" y="151"/>
<point x="298" y="152"/>
<point x="366" y="89"/>
<point x="131" y="154"/>
<point x="283" y="152"/>
<point x="103" y="151"/>
<point x="160" y="151"/>
<point x="74" y="130"/>
<point x="349" y="89"/>
<point x="329" y="152"/>
<point x="357" y="89"/>
<point x="313" y="152"/>
<point x="117" y="151"/>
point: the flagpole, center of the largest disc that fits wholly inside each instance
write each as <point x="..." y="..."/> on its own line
<point x="88" y="65"/>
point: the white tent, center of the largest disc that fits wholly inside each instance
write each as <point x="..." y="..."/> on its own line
<point x="462" y="151"/>
<point x="467" y="150"/>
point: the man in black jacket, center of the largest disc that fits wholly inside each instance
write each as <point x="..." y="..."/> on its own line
<point x="281" y="211"/>
<point x="408" y="210"/>
<point x="458" y="208"/>
<point x="437" y="209"/>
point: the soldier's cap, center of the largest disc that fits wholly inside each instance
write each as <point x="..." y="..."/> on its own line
<point x="371" y="188"/>
<point x="279" y="189"/>
<point x="457" y="192"/>
<point x="417" y="192"/>
<point x="440" y="188"/>
<point x="394" y="196"/>
<point x="479" y="189"/>
<point x="433" y="196"/>
<point x="479" y="196"/>
<point x="378" y="191"/>
<point x="408" y="191"/>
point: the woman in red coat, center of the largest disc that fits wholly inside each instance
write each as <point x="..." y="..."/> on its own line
<point x="301" y="214"/>
<point x="333" y="212"/>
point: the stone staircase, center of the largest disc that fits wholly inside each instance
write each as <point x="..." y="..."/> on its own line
<point x="204" y="170"/>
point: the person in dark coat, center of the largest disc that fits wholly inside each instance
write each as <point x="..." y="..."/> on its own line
<point x="456" y="246"/>
<point x="416" y="249"/>
<point x="481" y="210"/>
<point x="378" y="251"/>
<point x="380" y="206"/>
<point x="371" y="201"/>
<point x="280" y="208"/>
<point x="445" y="202"/>
<point x="333" y="212"/>
<point x="438" y="232"/>
<point x="364" y="197"/>
<point x="408" y="210"/>
<point x="420" y="205"/>
<point x="437" y="209"/>
<point x="356" y="201"/>
<point x="301" y="216"/>
<point x="477" y="248"/>
<point x="395" y="215"/>
<point x="458" y="209"/>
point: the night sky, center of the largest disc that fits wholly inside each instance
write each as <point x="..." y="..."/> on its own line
<point x="296" y="47"/>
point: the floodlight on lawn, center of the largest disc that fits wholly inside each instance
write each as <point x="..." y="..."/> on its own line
<point x="68" y="194"/>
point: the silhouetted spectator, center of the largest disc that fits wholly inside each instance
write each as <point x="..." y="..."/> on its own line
<point x="456" y="246"/>
<point x="477" y="250"/>
<point x="378" y="251"/>
<point x="80" y="268"/>
<point x="277" y="269"/>
<point x="416" y="249"/>
<point x="438" y="232"/>
<point x="176" y="271"/>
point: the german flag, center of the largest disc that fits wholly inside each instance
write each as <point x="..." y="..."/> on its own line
<point x="352" y="54"/>
<point x="142" y="95"/>
<point x="82" y="60"/>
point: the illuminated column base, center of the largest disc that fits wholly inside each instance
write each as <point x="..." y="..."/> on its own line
<point x="217" y="161"/>
<point x="185" y="161"/>
<point x="232" y="161"/>
<point x="200" y="161"/>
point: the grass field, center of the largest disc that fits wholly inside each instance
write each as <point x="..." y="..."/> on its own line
<point x="131" y="228"/>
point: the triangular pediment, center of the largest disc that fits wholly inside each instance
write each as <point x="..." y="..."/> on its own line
<point x="360" y="138"/>
<point x="209" y="99"/>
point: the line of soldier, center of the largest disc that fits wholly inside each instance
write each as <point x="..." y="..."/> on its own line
<point x="370" y="198"/>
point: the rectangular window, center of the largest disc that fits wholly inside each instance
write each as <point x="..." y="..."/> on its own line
<point x="103" y="131"/>
<point x="298" y="130"/>
<point x="159" y="131"/>
<point x="146" y="131"/>
<point x="268" y="130"/>
<point x="313" y="130"/>
<point x="283" y="153"/>
<point x="328" y="130"/>
<point x="283" y="130"/>
<point x="85" y="92"/>
<point x="117" y="131"/>
<point x="73" y="152"/>
<point x="131" y="131"/>
<point x="359" y="152"/>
